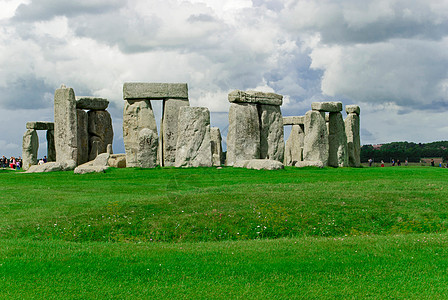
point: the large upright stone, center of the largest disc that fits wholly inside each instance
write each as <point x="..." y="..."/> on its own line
<point x="30" y="146"/>
<point x="316" y="137"/>
<point x="337" y="140"/>
<point x="148" y="143"/>
<point x="83" y="137"/>
<point x="352" y="128"/>
<point x="243" y="137"/>
<point x="65" y="125"/>
<point x="171" y="109"/>
<point x="272" y="143"/>
<point x="51" y="151"/>
<point x="193" y="139"/>
<point x="100" y="129"/>
<point x="136" y="116"/>
<point x="154" y="91"/>
<point x="216" y="144"/>
<point x="238" y="96"/>
<point x="294" y="145"/>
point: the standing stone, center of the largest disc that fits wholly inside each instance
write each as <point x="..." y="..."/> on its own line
<point x="352" y="128"/>
<point x="316" y="137"/>
<point x="294" y="145"/>
<point x="51" y="151"/>
<point x="100" y="129"/>
<point x="83" y="137"/>
<point x="243" y="137"/>
<point x="171" y="109"/>
<point x="65" y="125"/>
<point x="337" y="140"/>
<point x="193" y="139"/>
<point x="148" y="143"/>
<point x="137" y="114"/>
<point x="30" y="146"/>
<point x="216" y="144"/>
<point x="272" y="143"/>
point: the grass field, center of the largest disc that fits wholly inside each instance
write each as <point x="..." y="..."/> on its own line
<point x="228" y="233"/>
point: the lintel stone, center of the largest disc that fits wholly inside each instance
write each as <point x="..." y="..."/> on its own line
<point x="40" y="125"/>
<point x="91" y="103"/>
<point x="327" y="106"/>
<point x="352" y="109"/>
<point x="238" y="96"/>
<point x="294" y="120"/>
<point x="154" y="91"/>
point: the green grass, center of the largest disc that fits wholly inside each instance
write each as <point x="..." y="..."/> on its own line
<point x="228" y="233"/>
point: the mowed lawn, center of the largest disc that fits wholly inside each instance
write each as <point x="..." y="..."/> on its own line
<point x="225" y="233"/>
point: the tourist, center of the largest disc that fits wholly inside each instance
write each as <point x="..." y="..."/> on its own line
<point x="406" y="162"/>
<point x="12" y="162"/>
<point x="432" y="162"/>
<point x="45" y="159"/>
<point x="440" y="164"/>
<point x="398" y="163"/>
<point x="370" y="162"/>
<point x="382" y="163"/>
<point x="393" y="162"/>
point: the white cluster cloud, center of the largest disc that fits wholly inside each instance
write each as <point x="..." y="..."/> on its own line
<point x="379" y="54"/>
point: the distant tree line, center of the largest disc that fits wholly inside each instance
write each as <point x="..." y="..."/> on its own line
<point x="413" y="152"/>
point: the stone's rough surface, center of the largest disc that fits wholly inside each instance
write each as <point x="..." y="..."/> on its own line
<point x="337" y="141"/>
<point x="91" y="103"/>
<point x="109" y="149"/>
<point x="193" y="138"/>
<point x="171" y="109"/>
<point x="53" y="166"/>
<point x="316" y="137"/>
<point x="136" y="116"/>
<point x="94" y="142"/>
<point x="65" y="125"/>
<point x="117" y="161"/>
<point x="353" y="140"/>
<point x="83" y="137"/>
<point x="294" y="146"/>
<point x="259" y="164"/>
<point x="30" y="146"/>
<point x="352" y="109"/>
<point x="100" y="126"/>
<point x="216" y="144"/>
<point x="156" y="91"/>
<point x="295" y="120"/>
<point x="51" y="151"/>
<point x="327" y="106"/>
<point x="303" y="164"/>
<point x="243" y="137"/>
<point x="272" y="143"/>
<point x="148" y="143"/>
<point x="99" y="164"/>
<point x="238" y="96"/>
<point x="101" y="160"/>
<point x="90" y="169"/>
<point x="40" y="125"/>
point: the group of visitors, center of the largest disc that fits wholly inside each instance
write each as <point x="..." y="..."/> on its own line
<point x="393" y="162"/>
<point x="12" y="162"/>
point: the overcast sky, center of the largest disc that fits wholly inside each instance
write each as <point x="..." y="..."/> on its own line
<point x="388" y="56"/>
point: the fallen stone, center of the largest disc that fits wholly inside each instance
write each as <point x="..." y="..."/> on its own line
<point x="99" y="164"/>
<point x="154" y="91"/>
<point x="90" y="169"/>
<point x="316" y="137"/>
<point x="272" y="143"/>
<point x="193" y="138"/>
<point x="294" y="146"/>
<point x="238" y="96"/>
<point x="53" y="167"/>
<point x="352" y="109"/>
<point x="216" y="145"/>
<point x="147" y="148"/>
<point x="30" y="146"/>
<point x="91" y="103"/>
<point x="303" y="164"/>
<point x="117" y="161"/>
<point x="259" y="164"/>
<point x="40" y="125"/>
<point x="295" y="120"/>
<point x="327" y="106"/>
<point x="337" y="141"/>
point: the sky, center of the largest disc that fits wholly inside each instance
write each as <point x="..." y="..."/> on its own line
<point x="387" y="56"/>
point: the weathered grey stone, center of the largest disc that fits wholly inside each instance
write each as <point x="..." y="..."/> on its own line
<point x="90" y="169"/>
<point x="109" y="149"/>
<point x="316" y="137"/>
<point x="136" y="116"/>
<point x="65" y="125"/>
<point x="148" y="143"/>
<point x="238" y="96"/>
<point x="51" y="151"/>
<point x="272" y="143"/>
<point x="216" y="144"/>
<point x="243" y="137"/>
<point x="337" y="141"/>
<point x="327" y="106"/>
<point x="101" y="160"/>
<point x="352" y="109"/>
<point x="171" y="109"/>
<point x="100" y="126"/>
<point x="193" y="138"/>
<point x="117" y="161"/>
<point x="53" y="167"/>
<point x="303" y="164"/>
<point x="83" y="137"/>
<point x="40" y="125"/>
<point x="30" y="146"/>
<point x="94" y="143"/>
<point x="91" y="103"/>
<point x="353" y="139"/>
<point x="294" y="145"/>
<point x="259" y="164"/>
<point x="154" y="91"/>
<point x="99" y="164"/>
<point x="295" y="120"/>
